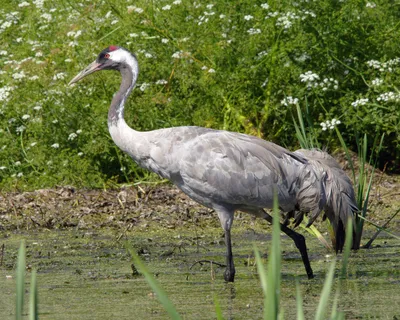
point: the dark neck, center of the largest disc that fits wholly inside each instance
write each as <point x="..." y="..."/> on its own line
<point x="116" y="112"/>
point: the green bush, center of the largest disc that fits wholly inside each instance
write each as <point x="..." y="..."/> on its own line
<point x="234" y="65"/>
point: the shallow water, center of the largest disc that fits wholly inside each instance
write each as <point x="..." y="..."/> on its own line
<point x="88" y="275"/>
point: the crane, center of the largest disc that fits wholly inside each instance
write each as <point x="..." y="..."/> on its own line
<point x="229" y="171"/>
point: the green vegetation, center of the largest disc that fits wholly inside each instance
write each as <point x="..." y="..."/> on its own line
<point x="240" y="66"/>
<point x="33" y="302"/>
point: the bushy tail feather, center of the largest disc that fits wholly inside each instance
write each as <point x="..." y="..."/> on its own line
<point x="336" y="194"/>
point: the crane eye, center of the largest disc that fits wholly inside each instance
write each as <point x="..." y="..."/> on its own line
<point x="107" y="56"/>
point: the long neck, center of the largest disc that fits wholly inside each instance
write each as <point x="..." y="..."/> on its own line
<point x="129" y="73"/>
<point x="125" y="137"/>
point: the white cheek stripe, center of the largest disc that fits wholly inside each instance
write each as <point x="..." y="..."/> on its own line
<point x="121" y="55"/>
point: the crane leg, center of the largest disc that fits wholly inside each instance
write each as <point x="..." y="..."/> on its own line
<point x="229" y="274"/>
<point x="226" y="219"/>
<point x="299" y="241"/>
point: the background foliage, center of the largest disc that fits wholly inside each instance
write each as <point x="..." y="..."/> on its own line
<point x="234" y="65"/>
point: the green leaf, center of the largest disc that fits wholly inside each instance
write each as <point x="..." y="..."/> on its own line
<point x="299" y="300"/>
<point x="155" y="286"/>
<point x="20" y="281"/>
<point x="326" y="291"/>
<point x="33" y="302"/>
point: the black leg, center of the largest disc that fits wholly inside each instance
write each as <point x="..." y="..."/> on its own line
<point x="300" y="243"/>
<point x="229" y="274"/>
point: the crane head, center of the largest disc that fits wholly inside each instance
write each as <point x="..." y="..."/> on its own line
<point x="111" y="57"/>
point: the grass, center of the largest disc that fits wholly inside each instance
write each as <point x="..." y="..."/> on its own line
<point x="20" y="294"/>
<point x="237" y="66"/>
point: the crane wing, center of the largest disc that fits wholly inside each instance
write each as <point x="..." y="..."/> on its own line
<point x="234" y="168"/>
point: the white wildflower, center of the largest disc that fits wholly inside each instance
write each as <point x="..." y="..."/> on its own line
<point x="20" y="129"/>
<point x="134" y="9"/>
<point x="329" y="124"/>
<point x="211" y="70"/>
<point x="72" y="136"/>
<point x="19" y="75"/>
<point x="389" y="96"/>
<point x="17" y="163"/>
<point x="133" y="35"/>
<point x="177" y="55"/>
<point x="26" y="117"/>
<point x="144" y="86"/>
<point x="108" y="14"/>
<point x="59" y="76"/>
<point x="309" y="77"/>
<point x="253" y="31"/>
<point x="24" y="4"/>
<point x="360" y="102"/>
<point x="161" y="81"/>
<point x="370" y="5"/>
<point x="167" y="7"/>
<point x="265" y="5"/>
<point x="286" y="20"/>
<point x="377" y="82"/>
<point x="5" y="93"/>
<point x="55" y="145"/>
<point x="248" y="17"/>
<point x="47" y="16"/>
<point x="164" y="40"/>
<point x="289" y="100"/>
<point x="38" y="3"/>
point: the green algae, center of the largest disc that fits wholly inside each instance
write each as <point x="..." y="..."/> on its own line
<point x="89" y="275"/>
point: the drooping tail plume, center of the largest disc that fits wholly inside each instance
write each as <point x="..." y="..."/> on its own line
<point x="340" y="202"/>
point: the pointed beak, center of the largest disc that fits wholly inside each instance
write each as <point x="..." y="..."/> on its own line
<point x="93" y="67"/>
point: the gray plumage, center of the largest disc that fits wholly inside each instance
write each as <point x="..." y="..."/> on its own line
<point x="229" y="171"/>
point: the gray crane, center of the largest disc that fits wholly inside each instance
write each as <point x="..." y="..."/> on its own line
<point x="229" y="171"/>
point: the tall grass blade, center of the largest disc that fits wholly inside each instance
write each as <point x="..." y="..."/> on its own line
<point x="274" y="267"/>
<point x="315" y="232"/>
<point x="261" y="270"/>
<point x="346" y="150"/>
<point x="335" y="313"/>
<point x="379" y="227"/>
<point x="33" y="301"/>
<point x="155" y="286"/>
<point x="20" y="281"/>
<point x="218" y="311"/>
<point x="302" y="126"/>
<point x="347" y="246"/>
<point x="383" y="228"/>
<point x="299" y="300"/>
<point x="326" y="290"/>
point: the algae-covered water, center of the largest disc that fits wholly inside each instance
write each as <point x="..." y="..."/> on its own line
<point x="89" y="275"/>
<point x="76" y="241"/>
